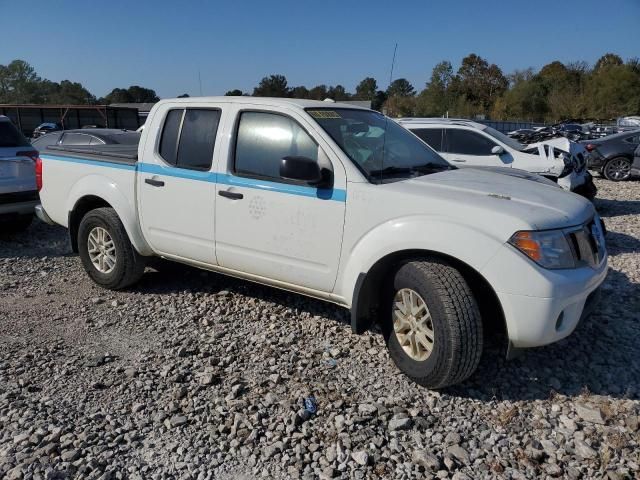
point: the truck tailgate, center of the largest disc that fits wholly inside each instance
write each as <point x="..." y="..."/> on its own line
<point x="17" y="174"/>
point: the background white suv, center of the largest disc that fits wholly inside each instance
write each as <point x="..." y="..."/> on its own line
<point x="467" y="143"/>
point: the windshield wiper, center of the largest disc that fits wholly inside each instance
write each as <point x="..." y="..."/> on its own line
<point x="426" y="168"/>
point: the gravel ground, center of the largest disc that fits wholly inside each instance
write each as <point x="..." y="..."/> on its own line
<point x="194" y="375"/>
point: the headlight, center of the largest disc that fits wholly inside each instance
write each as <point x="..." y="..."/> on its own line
<point x="549" y="249"/>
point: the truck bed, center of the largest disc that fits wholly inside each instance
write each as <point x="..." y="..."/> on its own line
<point x="125" y="154"/>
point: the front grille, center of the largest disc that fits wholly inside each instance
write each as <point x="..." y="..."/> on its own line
<point x="588" y="243"/>
<point x="18" y="197"/>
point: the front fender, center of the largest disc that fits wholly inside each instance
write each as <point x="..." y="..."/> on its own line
<point x="435" y="234"/>
<point x="102" y="187"/>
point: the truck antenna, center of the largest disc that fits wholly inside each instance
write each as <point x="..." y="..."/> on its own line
<point x="393" y="62"/>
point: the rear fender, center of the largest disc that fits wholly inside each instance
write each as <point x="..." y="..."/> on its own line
<point x="107" y="190"/>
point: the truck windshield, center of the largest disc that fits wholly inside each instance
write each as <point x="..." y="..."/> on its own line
<point x="382" y="150"/>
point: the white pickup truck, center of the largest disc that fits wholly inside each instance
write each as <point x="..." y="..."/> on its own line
<point x="342" y="204"/>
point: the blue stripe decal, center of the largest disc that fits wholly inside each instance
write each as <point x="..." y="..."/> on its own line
<point x="337" y="195"/>
<point x="300" y="190"/>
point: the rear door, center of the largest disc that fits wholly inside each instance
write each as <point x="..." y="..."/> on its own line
<point x="470" y="148"/>
<point x="176" y="187"/>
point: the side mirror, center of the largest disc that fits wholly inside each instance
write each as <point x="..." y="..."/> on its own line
<point x="497" y="150"/>
<point x="302" y="169"/>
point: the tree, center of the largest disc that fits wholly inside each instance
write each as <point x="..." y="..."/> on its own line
<point x="435" y="99"/>
<point x="608" y="60"/>
<point x="19" y="83"/>
<point x="142" y="95"/>
<point x="319" y="92"/>
<point x="184" y="95"/>
<point x="613" y="90"/>
<point x="338" y="93"/>
<point x="399" y="106"/>
<point x="300" y="92"/>
<point x="479" y="83"/>
<point x="272" y="86"/>
<point x="234" y="93"/>
<point x="401" y="88"/>
<point x="366" y="89"/>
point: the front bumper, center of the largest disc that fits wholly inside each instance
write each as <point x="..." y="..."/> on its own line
<point x="542" y="306"/>
<point x="580" y="183"/>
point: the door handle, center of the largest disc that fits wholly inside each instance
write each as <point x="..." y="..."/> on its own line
<point x="231" y="195"/>
<point x="154" y="183"/>
<point x="459" y="160"/>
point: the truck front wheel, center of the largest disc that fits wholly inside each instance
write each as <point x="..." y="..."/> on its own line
<point x="106" y="251"/>
<point x="433" y="327"/>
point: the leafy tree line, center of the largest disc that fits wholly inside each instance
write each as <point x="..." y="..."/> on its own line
<point x="609" y="88"/>
<point x="558" y="91"/>
<point x="19" y="83"/>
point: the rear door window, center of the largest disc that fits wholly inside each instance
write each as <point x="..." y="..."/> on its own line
<point x="188" y="138"/>
<point x="10" y="136"/>
<point x="431" y="136"/>
<point x="468" y="142"/>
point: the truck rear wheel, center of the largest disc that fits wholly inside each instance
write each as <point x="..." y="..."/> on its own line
<point x="106" y="251"/>
<point x="433" y="327"/>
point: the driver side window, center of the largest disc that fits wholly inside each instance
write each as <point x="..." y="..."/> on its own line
<point x="263" y="139"/>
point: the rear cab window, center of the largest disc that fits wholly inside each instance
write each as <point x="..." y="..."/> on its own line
<point x="188" y="138"/>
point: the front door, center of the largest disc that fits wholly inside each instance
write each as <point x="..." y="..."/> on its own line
<point x="272" y="227"/>
<point x="469" y="148"/>
<point x="176" y="188"/>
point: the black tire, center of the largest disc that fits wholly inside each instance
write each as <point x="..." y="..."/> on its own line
<point x="457" y="326"/>
<point x="610" y="173"/>
<point x="129" y="265"/>
<point x="16" y="224"/>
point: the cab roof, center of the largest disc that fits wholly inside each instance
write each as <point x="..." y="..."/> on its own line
<point x="268" y="101"/>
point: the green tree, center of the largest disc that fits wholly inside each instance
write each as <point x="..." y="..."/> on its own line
<point x="184" y="95"/>
<point x="338" y="93"/>
<point x="401" y="88"/>
<point x="19" y="83"/>
<point x="272" y="86"/>
<point x="608" y="60"/>
<point x="435" y="99"/>
<point x="613" y="90"/>
<point x="366" y="89"/>
<point x="300" y="92"/>
<point x="480" y="83"/>
<point x="234" y="93"/>
<point x="319" y="92"/>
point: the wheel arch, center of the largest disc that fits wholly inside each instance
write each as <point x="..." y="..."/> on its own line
<point x="88" y="202"/>
<point x="367" y="296"/>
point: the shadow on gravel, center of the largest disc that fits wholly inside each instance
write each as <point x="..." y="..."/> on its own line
<point x="39" y="240"/>
<point x="171" y="277"/>
<point x="618" y="243"/>
<point x="615" y="208"/>
<point x="601" y="356"/>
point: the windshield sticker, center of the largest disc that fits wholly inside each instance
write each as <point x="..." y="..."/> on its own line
<point x="324" y="114"/>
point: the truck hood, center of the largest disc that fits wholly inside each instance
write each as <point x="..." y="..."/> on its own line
<point x="497" y="201"/>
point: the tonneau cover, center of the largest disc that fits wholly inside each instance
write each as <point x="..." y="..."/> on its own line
<point x="107" y="153"/>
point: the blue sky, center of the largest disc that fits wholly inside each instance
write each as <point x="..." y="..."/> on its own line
<point x="163" y="44"/>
